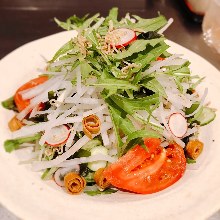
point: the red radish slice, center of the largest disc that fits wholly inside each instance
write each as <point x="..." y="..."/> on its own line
<point x="58" y="135"/>
<point x="121" y="37"/>
<point x="177" y="124"/>
<point x="58" y="178"/>
<point x="61" y="172"/>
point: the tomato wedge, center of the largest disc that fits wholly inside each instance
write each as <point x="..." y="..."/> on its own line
<point x="19" y="101"/>
<point x="147" y="171"/>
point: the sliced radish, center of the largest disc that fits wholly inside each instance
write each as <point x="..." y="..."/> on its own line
<point x="121" y="37"/>
<point x="178" y="124"/>
<point x="61" y="172"/>
<point x="58" y="135"/>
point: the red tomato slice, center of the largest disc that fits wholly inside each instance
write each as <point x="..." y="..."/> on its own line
<point x="19" y="101"/>
<point x="147" y="171"/>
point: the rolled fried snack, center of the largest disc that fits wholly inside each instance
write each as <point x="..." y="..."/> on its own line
<point x="100" y="180"/>
<point x="91" y="125"/>
<point x="194" y="148"/>
<point x="74" y="183"/>
<point x="15" y="124"/>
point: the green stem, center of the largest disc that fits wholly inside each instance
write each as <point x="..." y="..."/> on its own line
<point x="13" y="144"/>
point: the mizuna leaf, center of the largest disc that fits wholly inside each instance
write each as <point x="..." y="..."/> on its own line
<point x="63" y="50"/>
<point x="154" y="86"/>
<point x="142" y="134"/>
<point x="132" y="105"/>
<point x="116" y="83"/>
<point x="137" y="46"/>
<point x="146" y="25"/>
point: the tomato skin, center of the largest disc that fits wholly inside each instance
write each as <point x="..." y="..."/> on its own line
<point x="19" y="101"/>
<point x="171" y="171"/>
<point x="146" y="172"/>
<point x="118" y="171"/>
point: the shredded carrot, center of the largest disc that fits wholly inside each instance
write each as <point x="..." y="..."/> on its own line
<point x="91" y="125"/>
<point x="74" y="183"/>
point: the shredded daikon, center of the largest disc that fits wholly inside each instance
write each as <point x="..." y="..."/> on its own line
<point x="169" y="22"/>
<point x="97" y="157"/>
<point x="55" y="162"/>
<point x="200" y="104"/>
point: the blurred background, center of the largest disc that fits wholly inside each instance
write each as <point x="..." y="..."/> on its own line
<point x="23" y="21"/>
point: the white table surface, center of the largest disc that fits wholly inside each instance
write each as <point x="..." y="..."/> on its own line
<point x="7" y="215"/>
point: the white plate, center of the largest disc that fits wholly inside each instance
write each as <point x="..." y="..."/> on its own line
<point x="195" y="196"/>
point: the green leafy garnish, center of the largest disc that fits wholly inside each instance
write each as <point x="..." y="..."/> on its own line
<point x="137" y="46"/>
<point x="97" y="192"/>
<point x="48" y="173"/>
<point x="14" y="144"/>
<point x="190" y="160"/>
<point x="10" y="104"/>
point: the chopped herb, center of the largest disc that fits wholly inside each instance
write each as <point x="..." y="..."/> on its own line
<point x="97" y="192"/>
<point x="190" y="160"/>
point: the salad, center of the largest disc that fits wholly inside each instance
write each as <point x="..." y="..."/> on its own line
<point x="112" y="110"/>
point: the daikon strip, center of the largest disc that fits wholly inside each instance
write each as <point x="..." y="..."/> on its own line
<point x="68" y="112"/>
<point x="105" y="138"/>
<point x="86" y="106"/>
<point x="73" y="119"/>
<point x="30" y="93"/>
<point x="162" y="117"/>
<point x="200" y="104"/>
<point x="33" y="129"/>
<point x="90" y="91"/>
<point x="60" y="99"/>
<point x="34" y="111"/>
<point x="76" y="96"/>
<point x="21" y="115"/>
<point x="98" y="24"/>
<point x="169" y="22"/>
<point x="95" y="110"/>
<point x="158" y="64"/>
<point x="43" y="97"/>
<point x="191" y="131"/>
<point x="176" y="62"/>
<point x="45" y="136"/>
<point x="62" y="62"/>
<point x="178" y="141"/>
<point x="52" y="72"/>
<point x="70" y="140"/>
<point x="108" y="119"/>
<point x="37" y="166"/>
<point x="41" y="153"/>
<point x="27" y="122"/>
<point x="97" y="157"/>
<point x="49" y="111"/>
<point x="52" y="116"/>
<point x="164" y="144"/>
<point x="78" y="82"/>
<point x="91" y="101"/>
